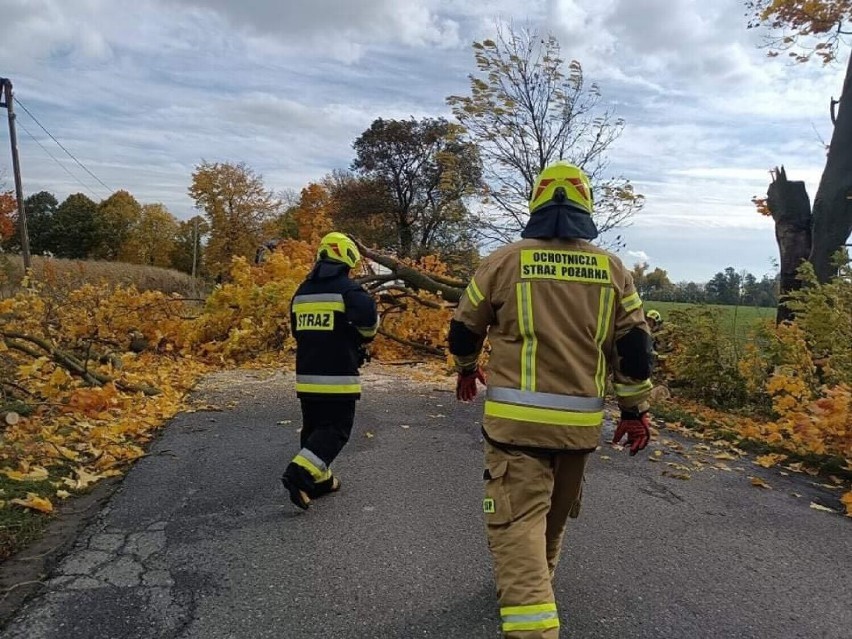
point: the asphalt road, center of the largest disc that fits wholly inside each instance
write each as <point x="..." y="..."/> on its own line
<point x="200" y="542"/>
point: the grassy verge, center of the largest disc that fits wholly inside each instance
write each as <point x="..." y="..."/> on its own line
<point x="19" y="526"/>
<point x="736" y="320"/>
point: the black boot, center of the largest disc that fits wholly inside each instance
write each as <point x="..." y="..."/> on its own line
<point x="330" y="485"/>
<point x="298" y="482"/>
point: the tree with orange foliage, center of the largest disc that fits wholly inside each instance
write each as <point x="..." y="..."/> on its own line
<point x="8" y="207"/>
<point x="313" y="215"/>
<point x="811" y="28"/>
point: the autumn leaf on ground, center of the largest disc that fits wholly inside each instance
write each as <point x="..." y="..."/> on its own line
<point x="84" y="479"/>
<point x="757" y="481"/>
<point x="369" y="435"/>
<point x="822" y="508"/>
<point x="679" y="467"/>
<point x="36" y="473"/>
<point x="727" y="456"/>
<point x="34" y="502"/>
<point x="676" y="475"/>
<point x="847" y="501"/>
<point x="768" y="461"/>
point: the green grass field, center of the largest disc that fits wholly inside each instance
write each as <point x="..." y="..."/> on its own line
<point x="737" y="320"/>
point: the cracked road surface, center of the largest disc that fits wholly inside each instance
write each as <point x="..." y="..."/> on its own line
<point x="199" y="541"/>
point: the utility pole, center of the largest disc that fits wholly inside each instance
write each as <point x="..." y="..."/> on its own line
<point x="194" y="253"/>
<point x="9" y="103"/>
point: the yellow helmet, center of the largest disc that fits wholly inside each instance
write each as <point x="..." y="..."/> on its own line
<point x="562" y="183"/>
<point x="654" y="315"/>
<point x="339" y="248"/>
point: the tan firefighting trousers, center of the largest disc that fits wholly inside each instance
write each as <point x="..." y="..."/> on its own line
<point x="527" y="503"/>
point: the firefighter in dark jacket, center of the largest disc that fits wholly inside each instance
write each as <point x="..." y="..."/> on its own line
<point x="332" y="319"/>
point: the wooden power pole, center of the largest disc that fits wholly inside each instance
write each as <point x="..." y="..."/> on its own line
<point x="9" y="103"/>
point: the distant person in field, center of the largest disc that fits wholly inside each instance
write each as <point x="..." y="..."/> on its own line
<point x="333" y="319"/>
<point x="561" y="315"/>
<point x="654" y="319"/>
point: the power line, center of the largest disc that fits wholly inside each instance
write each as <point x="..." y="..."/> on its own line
<point x="59" y="144"/>
<point x="53" y="157"/>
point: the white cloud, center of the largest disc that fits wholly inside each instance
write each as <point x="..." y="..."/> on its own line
<point x="639" y="256"/>
<point x="342" y="28"/>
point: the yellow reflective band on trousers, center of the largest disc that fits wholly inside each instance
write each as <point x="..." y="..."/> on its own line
<point x="313" y="464"/>
<point x="530" y="345"/>
<point x="475" y="295"/>
<point x="631" y="302"/>
<point x="604" y="319"/>
<point x="328" y="384"/>
<point x="535" y="415"/>
<point x="537" y="617"/>
<point x="629" y="390"/>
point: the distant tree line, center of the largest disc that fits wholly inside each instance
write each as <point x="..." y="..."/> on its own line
<point x="726" y="287"/>
<point x="117" y="228"/>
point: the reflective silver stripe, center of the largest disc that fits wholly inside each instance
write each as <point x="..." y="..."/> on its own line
<point x="318" y="297"/>
<point x="316" y="461"/>
<point x="533" y="618"/>
<point x="546" y="400"/>
<point x="330" y="380"/>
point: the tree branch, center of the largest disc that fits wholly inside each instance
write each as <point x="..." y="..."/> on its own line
<point x="70" y="363"/>
<point x="416" y="345"/>
<point x="413" y="277"/>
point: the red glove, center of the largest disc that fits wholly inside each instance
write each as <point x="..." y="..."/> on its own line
<point x="636" y="426"/>
<point x="466" y="383"/>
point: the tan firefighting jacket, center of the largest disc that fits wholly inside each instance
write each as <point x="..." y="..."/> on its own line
<point x="553" y="311"/>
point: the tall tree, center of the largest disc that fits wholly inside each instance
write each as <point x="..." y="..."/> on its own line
<point x="528" y="107"/>
<point x="428" y="171"/>
<point x="237" y="204"/>
<point x="41" y="208"/>
<point x="313" y="214"/>
<point x="75" y="231"/>
<point x="153" y="239"/>
<point x="725" y="286"/>
<point x="815" y="29"/>
<point x="361" y="206"/>
<point x="118" y="215"/>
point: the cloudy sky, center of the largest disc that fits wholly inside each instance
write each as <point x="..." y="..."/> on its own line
<point x="142" y="90"/>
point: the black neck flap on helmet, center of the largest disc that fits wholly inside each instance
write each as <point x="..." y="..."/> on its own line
<point x="561" y="221"/>
<point x="326" y="268"/>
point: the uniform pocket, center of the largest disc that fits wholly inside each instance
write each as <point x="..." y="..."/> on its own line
<point x="496" y="505"/>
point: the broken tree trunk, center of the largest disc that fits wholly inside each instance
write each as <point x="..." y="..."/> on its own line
<point x="832" y="217"/>
<point x="790" y="206"/>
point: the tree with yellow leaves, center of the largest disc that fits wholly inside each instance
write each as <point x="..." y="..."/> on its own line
<point x="237" y="204"/>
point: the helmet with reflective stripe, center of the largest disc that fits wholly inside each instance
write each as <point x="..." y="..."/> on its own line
<point x="654" y="315"/>
<point x="339" y="248"/>
<point x="562" y="183"/>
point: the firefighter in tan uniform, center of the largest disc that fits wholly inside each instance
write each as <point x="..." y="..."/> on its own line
<point x="561" y="315"/>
